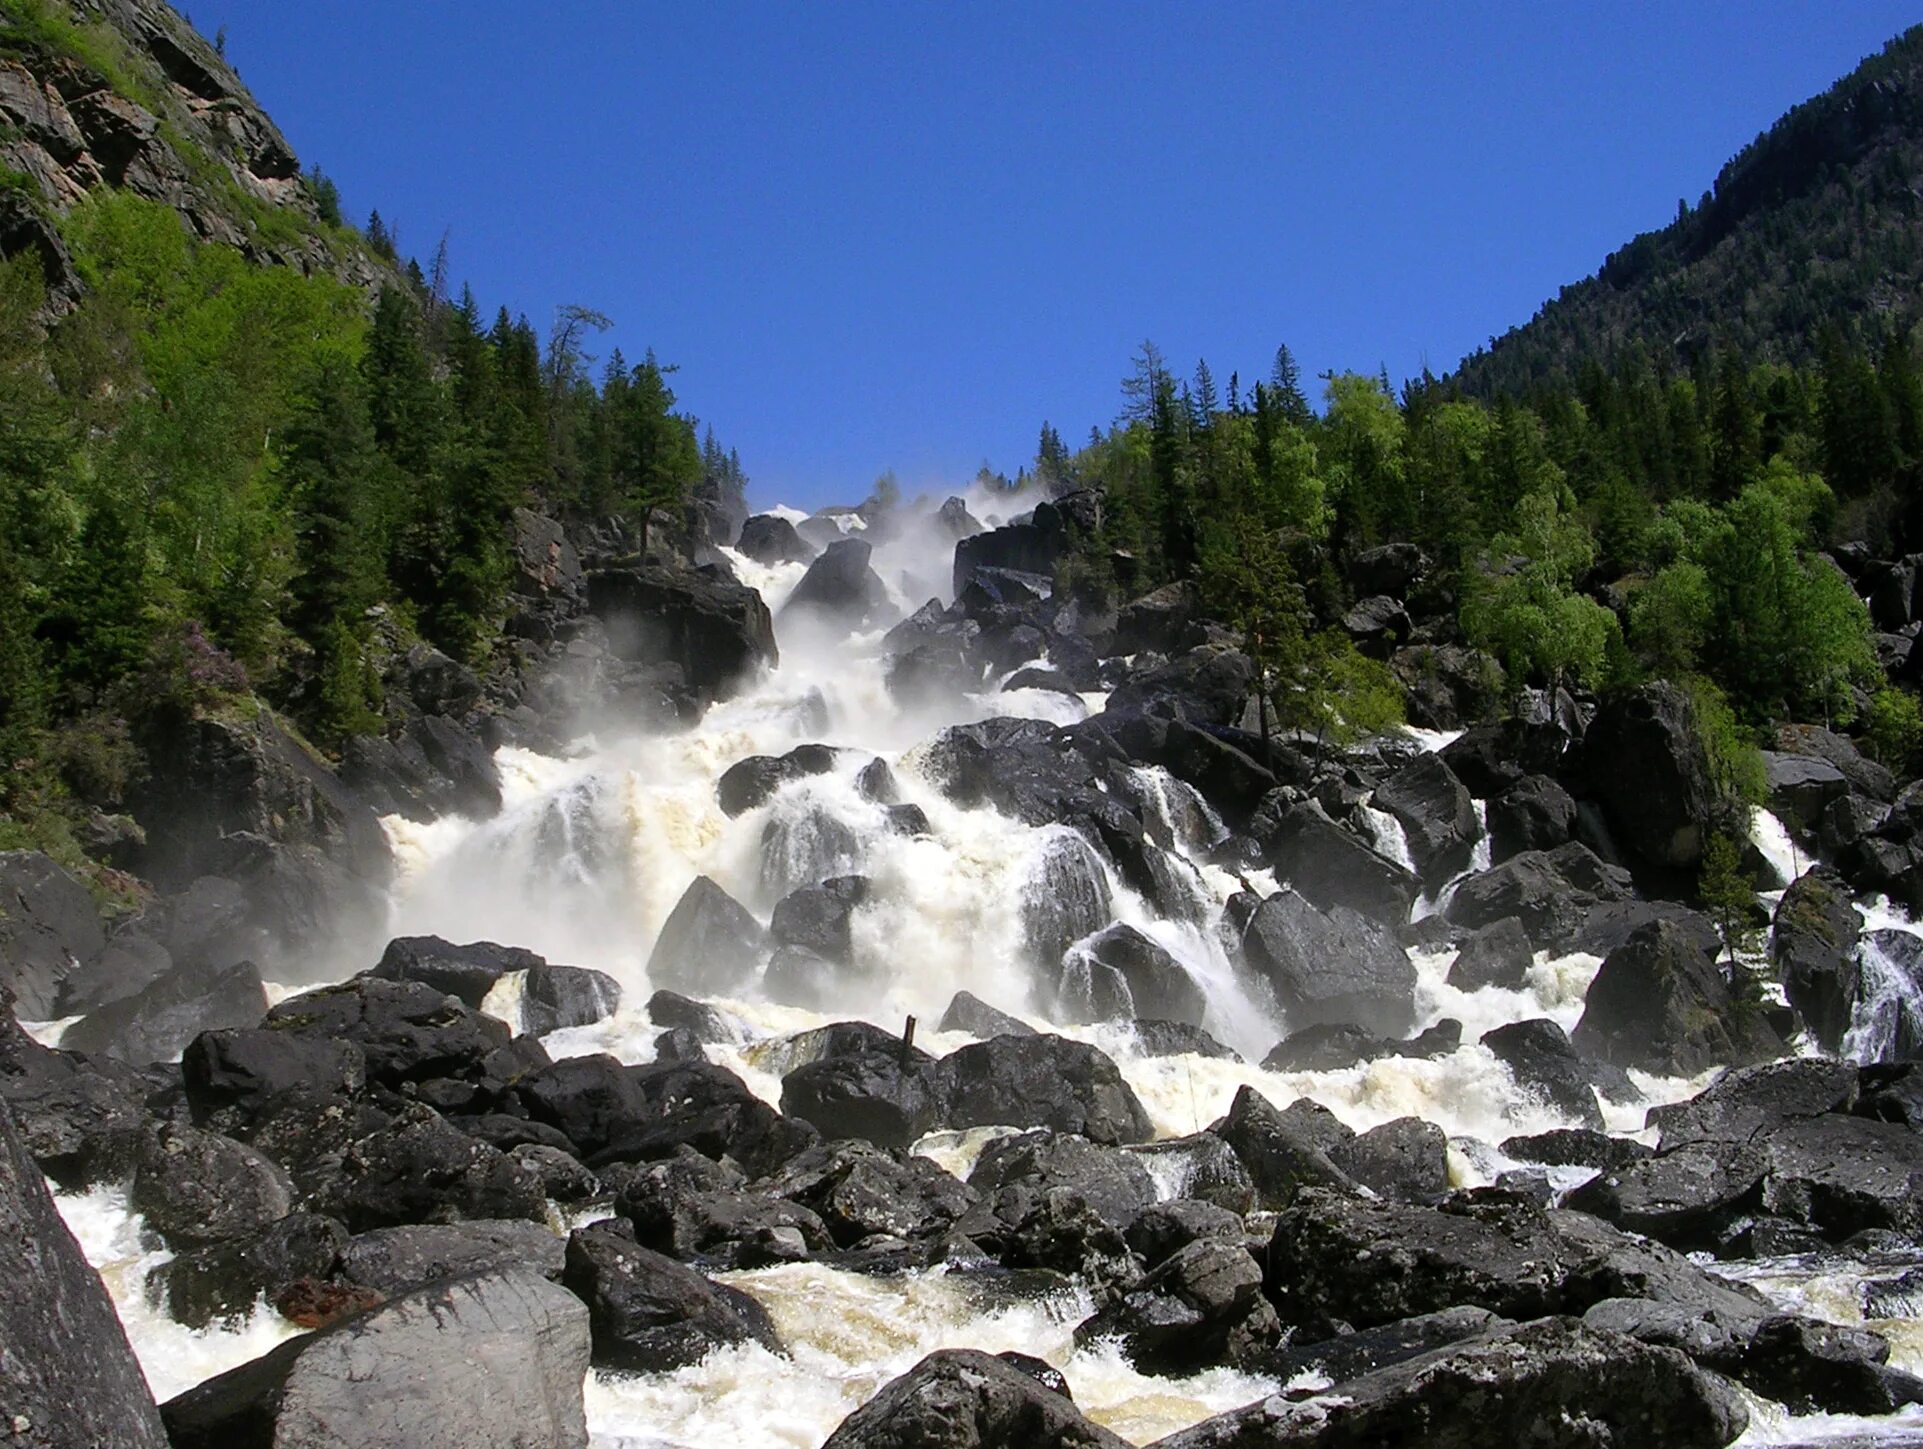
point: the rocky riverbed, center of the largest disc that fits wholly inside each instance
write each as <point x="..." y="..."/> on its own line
<point x="830" y="990"/>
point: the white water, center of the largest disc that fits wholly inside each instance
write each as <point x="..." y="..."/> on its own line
<point x="590" y="853"/>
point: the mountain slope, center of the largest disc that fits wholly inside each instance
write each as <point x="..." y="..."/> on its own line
<point x="1817" y="221"/>
<point x="125" y="94"/>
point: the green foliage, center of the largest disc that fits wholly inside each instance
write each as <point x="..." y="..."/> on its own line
<point x="1527" y="613"/>
<point x="1726" y="893"/>
<point x="1341" y="695"/>
<point x="1735" y="764"/>
<point x="1895" y="730"/>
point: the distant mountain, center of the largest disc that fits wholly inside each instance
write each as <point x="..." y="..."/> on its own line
<point x="1817" y="221"/>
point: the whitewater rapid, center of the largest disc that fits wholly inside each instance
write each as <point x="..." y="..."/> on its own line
<point x="593" y="848"/>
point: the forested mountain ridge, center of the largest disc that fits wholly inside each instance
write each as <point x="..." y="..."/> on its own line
<point x="126" y="94"/>
<point x="1817" y="223"/>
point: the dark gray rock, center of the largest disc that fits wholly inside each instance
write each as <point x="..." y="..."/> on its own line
<point x="407" y="1031"/>
<point x="235" y="1071"/>
<point x="1406" y="1159"/>
<point x="467" y="972"/>
<point x="1119" y="973"/>
<point x="971" y="1014"/>
<point x="962" y="1399"/>
<point x="393" y="1261"/>
<point x="649" y="1313"/>
<point x="1661" y="1004"/>
<point x="1436" y="814"/>
<point x="422" y="1168"/>
<point x="840" y="587"/>
<point x="1331" y="1047"/>
<point x="670" y="1009"/>
<point x="689" y="1207"/>
<point x="1542" y="1061"/>
<point x="1329" y="866"/>
<point x="1535" y="813"/>
<point x="768" y="538"/>
<point x="130" y="961"/>
<point x="1802" y="787"/>
<point x="48" y="923"/>
<point x="495" y="1361"/>
<point x="226" y="1280"/>
<point x="555" y="998"/>
<point x="754" y="781"/>
<point x="1813" y="947"/>
<point x="1163" y="1229"/>
<point x="1577" y="1147"/>
<point x="1155" y="1038"/>
<point x="1201" y="1166"/>
<point x="1065" y="897"/>
<point x="1335" y="967"/>
<point x="715" y="631"/>
<point x="196" y="1188"/>
<point x="1039" y="1081"/>
<point x="819" y="918"/>
<point x="871" y="1095"/>
<point x="1284" y="1152"/>
<point x="67" y="1377"/>
<point x="1552" y="893"/>
<point x="1645" y="762"/>
<point x="860" y="1192"/>
<point x="1499" y="954"/>
<point x="1351" y="1355"/>
<point x="1202" y="1307"/>
<point x="709" y="944"/>
<point x="157" y="1022"/>
<point x="1113" y="1182"/>
<point x="1489" y="758"/>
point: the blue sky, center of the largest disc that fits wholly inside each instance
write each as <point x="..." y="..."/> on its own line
<point x="901" y="235"/>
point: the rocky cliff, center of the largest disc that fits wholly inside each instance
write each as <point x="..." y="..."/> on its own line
<point x="125" y="93"/>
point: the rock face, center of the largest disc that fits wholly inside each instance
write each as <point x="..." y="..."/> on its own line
<point x="68" y="1380"/>
<point x="494" y="1361"/>
<point x="961" y="1399"/>
<point x="1645" y="762"/>
<point x="1338" y="968"/>
<point x="48" y="924"/>
<point x="1554" y="1384"/>
<point x="1331" y="867"/>
<point x="715" y="631"/>
<point x="1813" y="948"/>
<point x="1660" y="1004"/>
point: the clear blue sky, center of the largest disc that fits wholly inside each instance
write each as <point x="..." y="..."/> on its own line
<point x="901" y="235"/>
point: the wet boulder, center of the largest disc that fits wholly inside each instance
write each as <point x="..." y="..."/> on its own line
<point x="820" y="918"/>
<point x="67" y="1376"/>
<point x="1552" y="893"/>
<point x="48" y="924"/>
<point x="226" y="1279"/>
<point x="1644" y="761"/>
<point x="1160" y="1038"/>
<point x="196" y="1188"/>
<point x="1813" y="947"/>
<point x="1338" y="967"/>
<point x="132" y="960"/>
<point x="157" y="1023"/>
<point x="495" y="1361"/>
<point x="1436" y="814"/>
<point x="841" y="588"/>
<point x="393" y="1261"/>
<point x="1284" y="1151"/>
<point x="871" y="1095"/>
<point x="1330" y="1047"/>
<point x="716" y="632"/>
<point x="1489" y="758"/>
<point x="407" y="1031"/>
<point x="1498" y="954"/>
<point x="690" y="1207"/>
<point x="1200" y="1308"/>
<point x="860" y="1193"/>
<point x="1554" y="1382"/>
<point x="1535" y="813"/>
<point x="768" y="538"/>
<point x="1164" y="622"/>
<point x="968" y="1012"/>
<point x="555" y="998"/>
<point x="670" y="1009"/>
<point x="1540" y="1057"/>
<point x="650" y="1314"/>
<point x="1163" y="1229"/>
<point x="1200" y="1166"/>
<point x="1065" y="897"/>
<point x="1330" y="866"/>
<point x="1119" y="973"/>
<point x="228" y="1073"/>
<point x="1114" y="1182"/>
<point x="709" y="944"/>
<point x="1351" y="1355"/>
<point x="754" y="781"/>
<point x="1749" y="1102"/>
<point x="1802" y="787"/>
<point x="467" y="972"/>
<point x="1039" y="1081"/>
<point x="1406" y="1159"/>
<point x="962" y="1399"/>
<point x="1378" y="624"/>
<point x="421" y="1168"/>
<point x="1661" y="1004"/>
<point x="1576" y="1147"/>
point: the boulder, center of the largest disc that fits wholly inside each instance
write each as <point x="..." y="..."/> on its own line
<point x="1330" y="1047"/>
<point x="650" y="1314"/>
<point x="545" y="562"/>
<point x="1555" y="1383"/>
<point x="1113" y="1182"/>
<point x="969" y="1013"/>
<point x="1284" y="1152"/>
<point x="1802" y="787"/>
<point x="1552" y="893"/>
<point x="225" y="1280"/>
<point x="1645" y="762"/>
<point x="1389" y="568"/>
<point x="1119" y="973"/>
<point x="871" y="1095"/>
<point x="861" y="1193"/>
<point x="1499" y="955"/>
<point x="555" y="998"/>
<point x="1436" y="814"/>
<point x="768" y="538"/>
<point x="1206" y="686"/>
<point x="1660" y="1003"/>
<point x="422" y="1168"/>
<point x="1866" y="777"/>
<point x="670" y="1009"/>
<point x="962" y="1399"/>
<point x="820" y="918"/>
<point x="1351" y="1355"/>
<point x="1406" y="1159"/>
<point x="433" y="766"/>
<point x="67" y="1377"/>
<point x="1155" y="1038"/>
<point x="1542" y="1061"/>
<point x="689" y="1207"/>
<point x="48" y="926"/>
<point x="1201" y="1166"/>
<point x="1535" y="813"/>
<point x="715" y="631"/>
<point x="1165" y="622"/>
<point x="495" y="1361"/>
<point x="1379" y="625"/>
<point x="232" y="1072"/>
<point x="1163" y="1229"/>
<point x="1338" y="967"/>
<point x="393" y="1261"/>
<point x="131" y="960"/>
<point x="1813" y="947"/>
<point x="754" y="781"/>
<point x="468" y="972"/>
<point x="157" y="1022"/>
<point x="406" y="1030"/>
<point x="840" y="587"/>
<point x="1445" y="685"/>
<point x="1039" y="1081"/>
<point x="196" y="1187"/>
<point x="1065" y="897"/>
<point x="1489" y="758"/>
<point x="709" y="944"/>
<point x="1329" y="865"/>
<point x="1201" y="1308"/>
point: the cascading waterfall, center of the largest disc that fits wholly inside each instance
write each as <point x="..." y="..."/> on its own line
<point x="592" y="850"/>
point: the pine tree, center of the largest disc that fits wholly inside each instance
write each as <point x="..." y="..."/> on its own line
<point x="1286" y="383"/>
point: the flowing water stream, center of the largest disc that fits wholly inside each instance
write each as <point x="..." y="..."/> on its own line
<point x="592" y="850"/>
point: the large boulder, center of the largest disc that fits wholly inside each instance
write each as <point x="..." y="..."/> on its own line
<point x="407" y="1031"/>
<point x="494" y="1361"/>
<point x="820" y="918"/>
<point x="768" y="538"/>
<point x="421" y="1168"/>
<point x="1164" y="622"/>
<point x="1554" y="1384"/>
<point x="1644" y="760"/>
<point x="650" y="1314"/>
<point x="1660" y="1003"/>
<point x="68" y="1380"/>
<point x="392" y="1261"/>
<point x="1114" y="1182"/>
<point x="195" y="1187"/>
<point x="468" y="971"/>
<point x="49" y="925"/>
<point x="1545" y="1065"/>
<point x="1554" y="895"/>
<point x="1498" y="954"/>
<point x="156" y="1023"/>
<point x="1813" y="947"/>
<point x="840" y="587"/>
<point x="1535" y="813"/>
<point x="717" y="632"/>
<point x="1120" y="974"/>
<point x="709" y="945"/>
<point x="226" y="1279"/>
<point x="1039" y="1081"/>
<point x="1064" y="897"/>
<point x="754" y="781"/>
<point x="1284" y="1151"/>
<point x="1802" y="787"/>
<point x="1200" y="1308"/>
<point x="1331" y="866"/>
<point x="1338" y="967"/>
<point x="861" y="1193"/>
<point x="1436" y="814"/>
<point x="961" y="1399"/>
<point x="876" y="1096"/>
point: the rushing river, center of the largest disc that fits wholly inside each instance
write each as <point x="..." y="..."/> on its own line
<point x="593" y="849"/>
